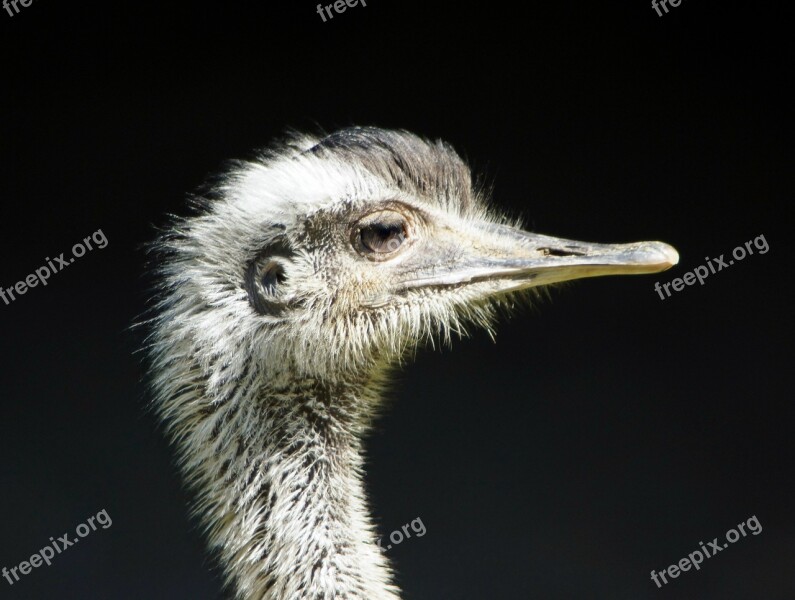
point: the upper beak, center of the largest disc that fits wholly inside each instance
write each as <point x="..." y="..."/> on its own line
<point x="518" y="259"/>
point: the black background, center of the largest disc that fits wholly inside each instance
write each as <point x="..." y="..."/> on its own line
<point x="605" y="434"/>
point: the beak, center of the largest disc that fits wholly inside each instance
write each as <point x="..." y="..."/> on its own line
<point x="514" y="259"/>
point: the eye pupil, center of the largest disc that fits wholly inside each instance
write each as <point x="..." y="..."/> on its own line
<point x="382" y="238"/>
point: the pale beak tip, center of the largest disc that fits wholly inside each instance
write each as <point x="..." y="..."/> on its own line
<point x="671" y="254"/>
<point x="668" y="256"/>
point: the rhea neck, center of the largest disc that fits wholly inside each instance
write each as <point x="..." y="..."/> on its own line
<point x="280" y="486"/>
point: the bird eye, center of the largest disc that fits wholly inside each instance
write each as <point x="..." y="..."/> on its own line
<point x="382" y="234"/>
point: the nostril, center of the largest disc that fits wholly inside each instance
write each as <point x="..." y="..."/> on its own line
<point x="559" y="252"/>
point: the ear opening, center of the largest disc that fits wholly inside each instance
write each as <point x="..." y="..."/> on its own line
<point x="265" y="278"/>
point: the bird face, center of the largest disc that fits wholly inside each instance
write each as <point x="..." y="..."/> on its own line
<point x="424" y="253"/>
<point x="356" y="246"/>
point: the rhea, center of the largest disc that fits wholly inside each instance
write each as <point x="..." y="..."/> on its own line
<point x="299" y="281"/>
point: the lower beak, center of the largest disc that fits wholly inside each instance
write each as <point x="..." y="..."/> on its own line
<point x="524" y="259"/>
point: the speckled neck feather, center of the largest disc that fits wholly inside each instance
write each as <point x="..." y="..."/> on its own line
<point x="284" y="501"/>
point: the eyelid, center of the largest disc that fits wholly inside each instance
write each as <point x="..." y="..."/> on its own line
<point x="387" y="215"/>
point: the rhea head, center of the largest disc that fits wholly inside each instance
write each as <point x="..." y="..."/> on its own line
<point x="330" y="257"/>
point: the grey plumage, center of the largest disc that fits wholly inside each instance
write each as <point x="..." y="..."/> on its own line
<point x="282" y="305"/>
